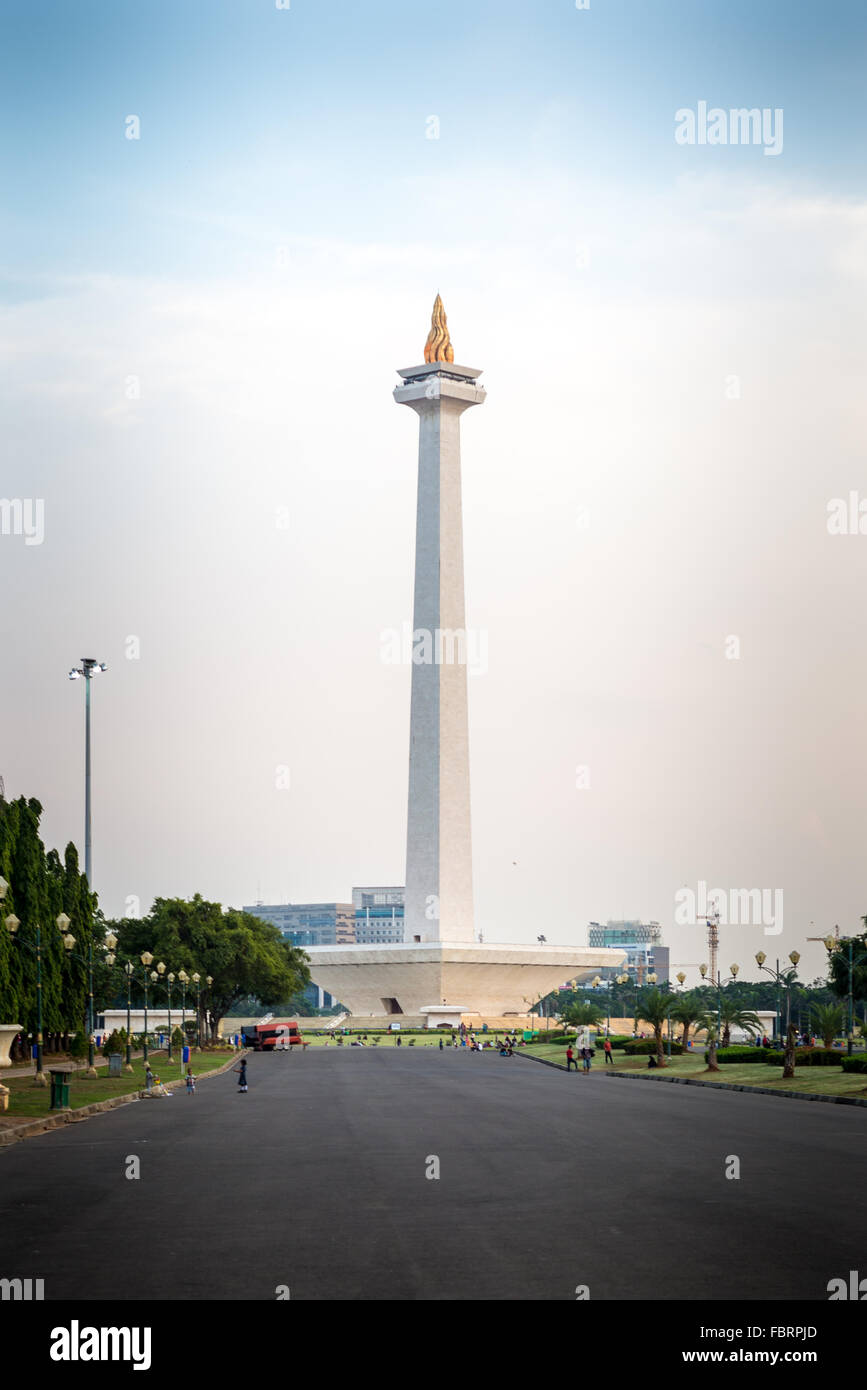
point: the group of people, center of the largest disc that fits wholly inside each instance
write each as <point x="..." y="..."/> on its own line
<point x="155" y="1087"/>
<point x="586" y="1057"/>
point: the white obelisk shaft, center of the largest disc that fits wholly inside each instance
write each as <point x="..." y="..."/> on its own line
<point x="439" y="867"/>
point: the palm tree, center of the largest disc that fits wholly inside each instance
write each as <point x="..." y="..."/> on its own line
<point x="583" y="1015"/>
<point x="828" y="1021"/>
<point x="687" y="1011"/>
<point x="709" y="1024"/>
<point x="654" y="1009"/>
<point x="731" y="1015"/>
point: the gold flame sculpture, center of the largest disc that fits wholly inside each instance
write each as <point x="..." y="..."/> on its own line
<point x="438" y="347"/>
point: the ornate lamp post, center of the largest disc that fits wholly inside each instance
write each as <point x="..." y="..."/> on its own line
<point x="623" y="980"/>
<point x="209" y="980"/>
<point x="129" y="971"/>
<point x="185" y="980"/>
<point x="794" y="957"/>
<point x="63" y="925"/>
<point x="719" y="982"/>
<point x="146" y="959"/>
<point x="197" y="981"/>
<point x="850" y="960"/>
<point x="12" y="925"/>
<point x="157" y="976"/>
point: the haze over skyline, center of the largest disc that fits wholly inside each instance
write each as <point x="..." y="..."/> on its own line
<point x="201" y="332"/>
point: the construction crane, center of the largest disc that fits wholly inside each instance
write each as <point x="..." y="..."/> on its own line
<point x="823" y="938"/>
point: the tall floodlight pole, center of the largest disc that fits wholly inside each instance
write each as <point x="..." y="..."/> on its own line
<point x="86" y="671"/>
<point x="439" y="873"/>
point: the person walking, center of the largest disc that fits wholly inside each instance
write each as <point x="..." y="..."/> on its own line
<point x="570" y="1059"/>
<point x="441" y="1044"/>
<point x="242" y="1076"/>
<point x="586" y="1054"/>
<point x="608" y="1057"/>
<point x="191" y="1082"/>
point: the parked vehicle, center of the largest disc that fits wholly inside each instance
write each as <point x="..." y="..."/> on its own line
<point x="274" y="1036"/>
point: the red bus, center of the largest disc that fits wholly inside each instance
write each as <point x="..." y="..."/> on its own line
<point x="276" y="1035"/>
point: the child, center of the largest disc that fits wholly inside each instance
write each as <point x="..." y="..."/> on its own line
<point x="242" y="1078"/>
<point x="191" y="1081"/>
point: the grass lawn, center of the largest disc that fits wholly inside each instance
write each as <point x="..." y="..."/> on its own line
<point x="27" y="1101"/>
<point x="816" y="1080"/>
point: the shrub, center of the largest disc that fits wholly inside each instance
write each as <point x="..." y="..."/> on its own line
<point x="644" y="1047"/>
<point x="854" y="1064"/>
<point x="116" y="1042"/>
<point x="78" y="1044"/>
<point x="804" y="1057"/>
<point x="740" y="1055"/>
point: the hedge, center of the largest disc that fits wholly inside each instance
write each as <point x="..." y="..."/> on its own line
<point x="644" y="1047"/>
<point x="804" y="1057"/>
<point x="743" y="1054"/>
<point x="856" y="1064"/>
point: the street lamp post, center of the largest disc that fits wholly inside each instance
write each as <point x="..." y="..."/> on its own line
<point x="63" y="925"/>
<point x="89" y="668"/>
<point x="209" y="980"/>
<point x="146" y="959"/>
<point x="776" y="974"/>
<point x="170" y="981"/>
<point x="156" y="976"/>
<point x="197" y="981"/>
<point x="185" y="980"/>
<point x="719" y="982"/>
<point x="129" y="971"/>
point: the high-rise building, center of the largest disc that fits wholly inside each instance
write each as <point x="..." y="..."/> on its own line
<point x="642" y="942"/>
<point x="310" y="924"/>
<point x="378" y="915"/>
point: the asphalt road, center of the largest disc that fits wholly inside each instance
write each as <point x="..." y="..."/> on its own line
<point x="315" y="1179"/>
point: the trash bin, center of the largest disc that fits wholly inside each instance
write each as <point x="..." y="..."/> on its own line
<point x="115" y="1062"/>
<point x="59" y="1089"/>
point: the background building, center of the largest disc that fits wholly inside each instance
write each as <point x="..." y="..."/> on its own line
<point x="642" y="942"/>
<point x="310" y="924"/>
<point x="378" y="915"/>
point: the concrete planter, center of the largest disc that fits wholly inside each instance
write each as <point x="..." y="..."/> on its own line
<point x="8" y="1031"/>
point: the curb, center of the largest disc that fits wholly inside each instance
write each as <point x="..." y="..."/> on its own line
<point x="732" y="1086"/>
<point x="86" y="1112"/>
<point x="542" y="1061"/>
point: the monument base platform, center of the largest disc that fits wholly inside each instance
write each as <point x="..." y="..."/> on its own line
<point x="485" y="979"/>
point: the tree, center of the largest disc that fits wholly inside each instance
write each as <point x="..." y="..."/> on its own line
<point x="828" y="1020"/>
<point x="709" y="1024"/>
<point x="654" y="1008"/>
<point x="586" y="1015"/>
<point x="687" y="1010"/>
<point x="731" y="1015"/>
<point x="41" y="885"/>
<point x="243" y="954"/>
<point x="838" y="967"/>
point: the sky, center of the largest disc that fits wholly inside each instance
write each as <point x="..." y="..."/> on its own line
<point x="200" y="333"/>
